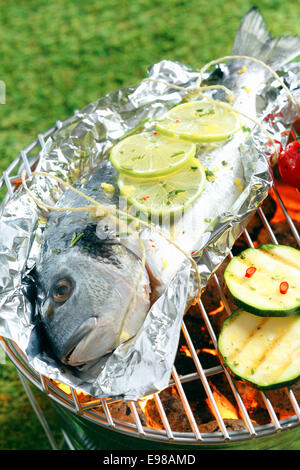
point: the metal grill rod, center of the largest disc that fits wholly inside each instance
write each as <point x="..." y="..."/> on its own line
<point x="186" y="405"/>
<point x="163" y="417"/>
<point x="205" y="382"/>
<point x="239" y="401"/>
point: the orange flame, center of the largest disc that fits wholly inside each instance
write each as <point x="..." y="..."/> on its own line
<point x="213" y="352"/>
<point x="225" y="407"/>
<point x="185" y="350"/>
<point x="143" y="402"/>
<point x="291" y="200"/>
<point x="217" y="310"/>
<point x="66" y="389"/>
<point x="174" y="391"/>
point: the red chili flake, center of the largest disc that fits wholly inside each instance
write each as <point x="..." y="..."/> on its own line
<point x="270" y="117"/>
<point x="154" y="133"/>
<point x="250" y="271"/>
<point x="146" y="197"/>
<point x="192" y="252"/>
<point x="153" y="246"/>
<point x="284" y="286"/>
<point x="177" y="120"/>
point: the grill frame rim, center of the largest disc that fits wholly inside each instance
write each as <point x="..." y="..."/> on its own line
<point x="138" y="430"/>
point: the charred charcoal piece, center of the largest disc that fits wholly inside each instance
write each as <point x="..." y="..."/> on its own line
<point x="174" y="410"/>
<point x="121" y="411"/>
<point x="282" y="232"/>
<point x="231" y="425"/>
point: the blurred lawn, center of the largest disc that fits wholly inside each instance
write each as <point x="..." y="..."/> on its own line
<point x="57" y="56"/>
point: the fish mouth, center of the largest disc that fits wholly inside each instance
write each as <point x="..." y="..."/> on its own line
<point x="78" y="338"/>
<point x="91" y="341"/>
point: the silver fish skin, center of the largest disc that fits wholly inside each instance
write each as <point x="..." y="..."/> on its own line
<point x="102" y="270"/>
<point x="86" y="289"/>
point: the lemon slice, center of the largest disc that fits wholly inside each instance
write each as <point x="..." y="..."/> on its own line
<point x="148" y="155"/>
<point x="200" y="121"/>
<point x="165" y="195"/>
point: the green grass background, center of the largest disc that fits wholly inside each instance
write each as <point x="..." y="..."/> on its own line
<point x="57" y="56"/>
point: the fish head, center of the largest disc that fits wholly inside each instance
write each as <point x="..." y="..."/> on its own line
<point x="92" y="296"/>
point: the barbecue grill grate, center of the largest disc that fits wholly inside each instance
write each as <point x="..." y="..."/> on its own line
<point x="89" y="410"/>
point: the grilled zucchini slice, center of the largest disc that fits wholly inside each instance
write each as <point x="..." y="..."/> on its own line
<point x="266" y="280"/>
<point x="262" y="351"/>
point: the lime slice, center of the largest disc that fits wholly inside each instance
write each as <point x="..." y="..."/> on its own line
<point x="165" y="195"/>
<point x="148" y="155"/>
<point x="200" y="121"/>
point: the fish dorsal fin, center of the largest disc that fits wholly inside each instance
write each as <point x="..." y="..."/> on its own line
<point x="253" y="40"/>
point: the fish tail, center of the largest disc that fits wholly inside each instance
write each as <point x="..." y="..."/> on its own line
<point x="253" y="40"/>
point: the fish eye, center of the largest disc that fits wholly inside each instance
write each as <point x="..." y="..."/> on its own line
<point x="62" y="291"/>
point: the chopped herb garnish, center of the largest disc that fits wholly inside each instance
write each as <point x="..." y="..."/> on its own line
<point x="246" y="129"/>
<point x="173" y="193"/>
<point x="207" y="220"/>
<point x="194" y="167"/>
<point x="138" y="157"/>
<point x="75" y="239"/>
<point x="204" y="113"/>
<point x="177" y="191"/>
<point x="210" y="175"/>
<point x="224" y="163"/>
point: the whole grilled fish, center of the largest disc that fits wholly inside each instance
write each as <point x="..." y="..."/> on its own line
<point x="94" y="292"/>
